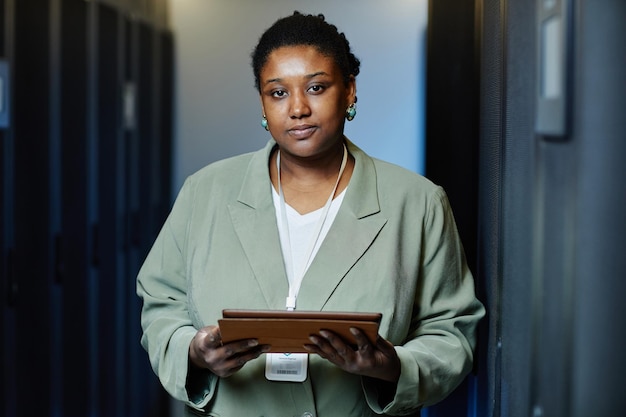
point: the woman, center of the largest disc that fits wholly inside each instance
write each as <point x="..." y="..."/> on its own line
<point x="310" y="222"/>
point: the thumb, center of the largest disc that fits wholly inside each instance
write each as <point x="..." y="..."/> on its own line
<point x="213" y="335"/>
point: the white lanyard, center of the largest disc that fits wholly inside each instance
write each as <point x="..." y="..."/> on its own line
<point x="295" y="279"/>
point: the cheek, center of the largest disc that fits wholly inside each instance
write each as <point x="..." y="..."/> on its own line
<point x="274" y="109"/>
<point x="275" y="121"/>
<point x="331" y="113"/>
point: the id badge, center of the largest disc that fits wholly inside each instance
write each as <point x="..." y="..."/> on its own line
<point x="286" y="366"/>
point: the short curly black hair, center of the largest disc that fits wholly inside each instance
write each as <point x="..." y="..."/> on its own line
<point x="301" y="29"/>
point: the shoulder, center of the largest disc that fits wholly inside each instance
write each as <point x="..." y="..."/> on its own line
<point x="394" y="180"/>
<point x="393" y="185"/>
<point x="400" y="187"/>
<point x="220" y="183"/>
<point x="225" y="169"/>
<point x="389" y="173"/>
<point x="230" y="171"/>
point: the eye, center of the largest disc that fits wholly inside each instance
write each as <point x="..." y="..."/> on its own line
<point x="278" y="93"/>
<point x="316" y="88"/>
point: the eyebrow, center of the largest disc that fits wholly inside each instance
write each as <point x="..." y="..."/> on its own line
<point x="308" y="76"/>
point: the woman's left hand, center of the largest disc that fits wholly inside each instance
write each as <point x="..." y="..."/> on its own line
<point x="378" y="360"/>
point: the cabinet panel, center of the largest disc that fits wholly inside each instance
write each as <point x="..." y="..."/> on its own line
<point x="144" y="201"/>
<point x="78" y="335"/>
<point x="71" y="176"/>
<point x="33" y="236"/>
<point x="110" y="246"/>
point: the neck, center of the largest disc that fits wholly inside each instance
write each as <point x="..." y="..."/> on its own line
<point x="306" y="186"/>
<point x="310" y="171"/>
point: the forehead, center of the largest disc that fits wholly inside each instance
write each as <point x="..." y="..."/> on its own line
<point x="295" y="61"/>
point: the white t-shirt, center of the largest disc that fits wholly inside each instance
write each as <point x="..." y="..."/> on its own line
<point x="301" y="228"/>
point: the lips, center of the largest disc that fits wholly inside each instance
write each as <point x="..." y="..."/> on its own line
<point x="301" y="131"/>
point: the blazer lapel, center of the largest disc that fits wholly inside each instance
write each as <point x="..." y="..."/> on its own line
<point x="254" y="221"/>
<point x="357" y="224"/>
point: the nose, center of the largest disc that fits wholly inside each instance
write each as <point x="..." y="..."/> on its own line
<point x="299" y="107"/>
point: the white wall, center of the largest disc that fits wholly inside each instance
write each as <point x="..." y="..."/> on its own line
<point x="217" y="106"/>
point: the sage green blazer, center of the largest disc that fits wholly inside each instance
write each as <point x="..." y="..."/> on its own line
<point x="393" y="248"/>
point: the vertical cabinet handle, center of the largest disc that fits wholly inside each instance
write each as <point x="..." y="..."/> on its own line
<point x="59" y="267"/>
<point x="12" y="284"/>
<point x="95" y="254"/>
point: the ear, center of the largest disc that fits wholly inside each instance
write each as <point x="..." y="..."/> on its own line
<point x="262" y="107"/>
<point x="351" y="90"/>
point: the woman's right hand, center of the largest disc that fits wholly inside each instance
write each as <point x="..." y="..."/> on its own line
<point x="206" y="350"/>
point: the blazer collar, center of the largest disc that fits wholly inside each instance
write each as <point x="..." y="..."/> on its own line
<point x="356" y="226"/>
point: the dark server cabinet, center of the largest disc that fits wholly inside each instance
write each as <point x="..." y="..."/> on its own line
<point x="73" y="168"/>
<point x="79" y="331"/>
<point x="452" y="143"/>
<point x="134" y="222"/>
<point x="33" y="226"/>
<point x="553" y="235"/>
<point x="110" y="238"/>
<point x="149" y="135"/>
<point x="165" y="126"/>
<point x="130" y="147"/>
<point x="7" y="351"/>
<point x="7" y="275"/>
<point x="145" y="197"/>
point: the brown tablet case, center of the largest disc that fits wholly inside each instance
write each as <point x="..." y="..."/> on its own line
<point x="288" y="331"/>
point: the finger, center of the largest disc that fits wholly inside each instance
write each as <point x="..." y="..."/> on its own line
<point x="209" y="337"/>
<point x="362" y="342"/>
<point x="385" y="346"/>
<point x="336" y="347"/>
<point x="236" y="362"/>
<point x="214" y="336"/>
<point x="313" y="348"/>
<point x="321" y="346"/>
<point x="239" y="347"/>
<point x="226" y="365"/>
<point x="202" y="337"/>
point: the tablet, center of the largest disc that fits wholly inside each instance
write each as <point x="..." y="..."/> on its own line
<point x="289" y="331"/>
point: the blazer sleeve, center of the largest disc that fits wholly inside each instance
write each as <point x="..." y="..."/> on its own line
<point x="439" y="349"/>
<point x="165" y="319"/>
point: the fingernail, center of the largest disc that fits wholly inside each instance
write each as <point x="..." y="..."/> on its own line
<point x="325" y="333"/>
<point x="313" y="339"/>
<point x="253" y="343"/>
<point x="266" y="348"/>
<point x="354" y="331"/>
